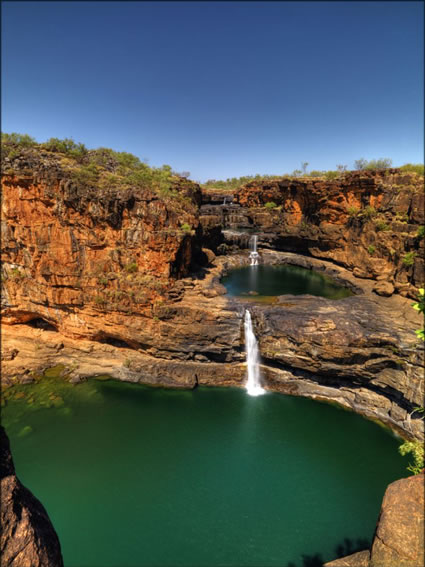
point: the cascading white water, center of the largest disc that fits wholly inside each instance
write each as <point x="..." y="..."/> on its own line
<point x="253" y="255"/>
<point x="253" y="384"/>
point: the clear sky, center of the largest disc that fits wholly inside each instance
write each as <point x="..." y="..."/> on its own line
<point x="220" y="89"/>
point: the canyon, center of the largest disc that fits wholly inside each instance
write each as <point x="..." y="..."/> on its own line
<point x="127" y="283"/>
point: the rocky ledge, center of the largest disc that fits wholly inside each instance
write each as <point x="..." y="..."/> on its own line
<point x="28" y="538"/>
<point x="350" y="351"/>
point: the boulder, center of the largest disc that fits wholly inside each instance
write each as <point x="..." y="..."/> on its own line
<point x="28" y="538"/>
<point x="384" y="288"/>
<point x="399" y="536"/>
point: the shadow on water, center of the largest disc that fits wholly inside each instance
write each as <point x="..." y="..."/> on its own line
<point x="347" y="547"/>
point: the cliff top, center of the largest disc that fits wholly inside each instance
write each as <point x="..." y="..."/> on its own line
<point x="102" y="169"/>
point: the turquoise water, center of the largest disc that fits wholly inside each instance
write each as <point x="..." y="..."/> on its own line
<point x="134" y="476"/>
<point x="270" y="281"/>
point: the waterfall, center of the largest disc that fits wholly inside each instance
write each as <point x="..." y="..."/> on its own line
<point x="225" y="201"/>
<point x="253" y="384"/>
<point x="253" y="255"/>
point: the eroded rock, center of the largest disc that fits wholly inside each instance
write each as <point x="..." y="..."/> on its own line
<point x="28" y="538"/>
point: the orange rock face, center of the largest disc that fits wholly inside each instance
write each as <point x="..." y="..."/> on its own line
<point x="84" y="261"/>
<point x="365" y="221"/>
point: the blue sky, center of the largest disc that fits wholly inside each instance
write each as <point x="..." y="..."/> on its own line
<point x="220" y="89"/>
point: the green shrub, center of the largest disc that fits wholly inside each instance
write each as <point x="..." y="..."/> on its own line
<point x="353" y="211"/>
<point x="21" y="140"/>
<point x="86" y="174"/>
<point x="382" y="226"/>
<point x="371" y="249"/>
<point x="270" y="205"/>
<point x="381" y="163"/>
<point x="417" y="450"/>
<point x="186" y="227"/>
<point x="65" y="146"/>
<point x="316" y="173"/>
<point x="420" y="306"/>
<point x="409" y="258"/>
<point x="329" y="175"/>
<point x="420" y="232"/>
<point x="413" y="168"/>
<point x="131" y="268"/>
<point x="369" y="212"/>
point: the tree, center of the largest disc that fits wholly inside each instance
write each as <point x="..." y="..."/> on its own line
<point x="360" y="164"/>
<point x="341" y="168"/>
<point x="304" y="165"/>
<point x="381" y="163"/>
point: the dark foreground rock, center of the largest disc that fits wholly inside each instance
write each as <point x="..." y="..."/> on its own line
<point x="28" y="538"/>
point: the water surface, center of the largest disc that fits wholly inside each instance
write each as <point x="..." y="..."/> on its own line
<point x="270" y="281"/>
<point x="134" y="476"/>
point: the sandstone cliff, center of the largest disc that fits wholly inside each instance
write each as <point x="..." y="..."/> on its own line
<point x="367" y="222"/>
<point x="106" y="279"/>
<point x="28" y="538"/>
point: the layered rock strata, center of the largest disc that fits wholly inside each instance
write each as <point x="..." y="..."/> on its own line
<point x="350" y="351"/>
<point x="28" y="538"/>
<point x="365" y="221"/>
<point x="107" y="281"/>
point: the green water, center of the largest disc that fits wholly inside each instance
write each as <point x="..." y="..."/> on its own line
<point x="270" y="281"/>
<point x="133" y="476"/>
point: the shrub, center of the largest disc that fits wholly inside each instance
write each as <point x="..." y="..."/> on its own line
<point x="420" y="232"/>
<point x="22" y="140"/>
<point x="409" y="258"/>
<point x="369" y="212"/>
<point x="381" y="163"/>
<point x="316" y="173"/>
<point x="414" y="168"/>
<point x="270" y="205"/>
<point x="86" y="174"/>
<point x="353" y="211"/>
<point x="186" y="227"/>
<point x="371" y="249"/>
<point x="65" y="146"/>
<point x="382" y="226"/>
<point x="329" y="175"/>
<point x="420" y="306"/>
<point x="417" y="450"/>
<point x="131" y="268"/>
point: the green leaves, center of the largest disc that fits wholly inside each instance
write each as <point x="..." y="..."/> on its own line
<point x="417" y="450"/>
<point x="420" y="306"/>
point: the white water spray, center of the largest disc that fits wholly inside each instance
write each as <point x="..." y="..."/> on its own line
<point x="253" y="384"/>
<point x="253" y="255"/>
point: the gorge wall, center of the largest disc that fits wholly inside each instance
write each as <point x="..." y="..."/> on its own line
<point x="102" y="280"/>
<point x="365" y="221"/>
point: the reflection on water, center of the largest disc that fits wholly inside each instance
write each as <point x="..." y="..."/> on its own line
<point x="262" y="281"/>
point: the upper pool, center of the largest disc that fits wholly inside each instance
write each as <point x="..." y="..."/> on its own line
<point x="265" y="281"/>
